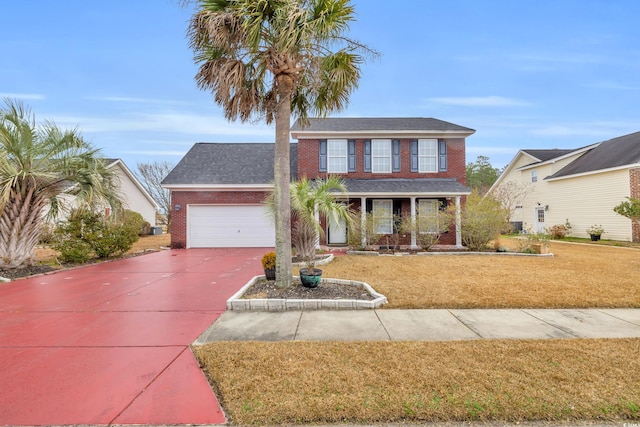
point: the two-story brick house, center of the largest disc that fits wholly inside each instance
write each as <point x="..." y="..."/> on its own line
<point x="391" y="166"/>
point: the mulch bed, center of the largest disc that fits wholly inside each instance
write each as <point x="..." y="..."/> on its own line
<point x="25" y="272"/>
<point x="267" y="289"/>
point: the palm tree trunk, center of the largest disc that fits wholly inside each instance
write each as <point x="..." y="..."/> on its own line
<point x="282" y="178"/>
<point x="20" y="222"/>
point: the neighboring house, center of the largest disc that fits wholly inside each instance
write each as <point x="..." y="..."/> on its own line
<point x="391" y="166"/>
<point x="580" y="186"/>
<point x="134" y="196"/>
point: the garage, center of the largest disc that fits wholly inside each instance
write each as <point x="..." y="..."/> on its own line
<point x="222" y="226"/>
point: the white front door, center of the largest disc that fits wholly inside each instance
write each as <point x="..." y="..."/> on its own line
<point x="337" y="233"/>
<point x="539" y="217"/>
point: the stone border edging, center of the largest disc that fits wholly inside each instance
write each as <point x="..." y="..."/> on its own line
<point x="272" y="304"/>
<point x="322" y="261"/>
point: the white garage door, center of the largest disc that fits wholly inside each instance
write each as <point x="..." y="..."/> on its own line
<point x="229" y="226"/>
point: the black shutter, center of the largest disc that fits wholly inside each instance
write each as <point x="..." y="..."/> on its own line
<point x="396" y="155"/>
<point x="352" y="155"/>
<point x="323" y="155"/>
<point x="414" y="155"/>
<point x="442" y="155"/>
<point x="367" y="155"/>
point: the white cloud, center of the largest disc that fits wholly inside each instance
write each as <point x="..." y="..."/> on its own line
<point x="22" y="95"/>
<point x="480" y="101"/>
<point x="597" y="129"/>
<point x="179" y="123"/>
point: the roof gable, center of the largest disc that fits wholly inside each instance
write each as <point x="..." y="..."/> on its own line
<point x="546" y="155"/>
<point x="228" y="163"/>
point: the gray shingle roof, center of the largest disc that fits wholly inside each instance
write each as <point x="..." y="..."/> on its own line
<point x="544" y="155"/>
<point x="402" y="185"/>
<point x="347" y="124"/>
<point x="228" y="163"/>
<point x="621" y="151"/>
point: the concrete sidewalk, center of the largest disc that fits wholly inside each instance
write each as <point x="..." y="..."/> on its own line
<point x="423" y="325"/>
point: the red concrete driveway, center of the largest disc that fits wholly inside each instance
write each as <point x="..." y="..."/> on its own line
<point x="109" y="343"/>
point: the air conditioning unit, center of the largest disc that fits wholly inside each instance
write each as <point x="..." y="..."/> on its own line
<point x="155" y="231"/>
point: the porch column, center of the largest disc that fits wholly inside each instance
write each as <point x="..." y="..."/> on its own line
<point x="458" y="221"/>
<point x="363" y="220"/>
<point x="413" y="223"/>
<point x="316" y="215"/>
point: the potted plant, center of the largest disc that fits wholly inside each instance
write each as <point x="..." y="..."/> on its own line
<point x="595" y="231"/>
<point x="307" y="198"/>
<point x="269" y="265"/>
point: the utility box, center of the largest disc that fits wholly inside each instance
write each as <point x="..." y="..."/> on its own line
<point x="155" y="231"/>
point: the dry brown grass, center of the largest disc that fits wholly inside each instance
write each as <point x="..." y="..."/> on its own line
<point x="367" y="382"/>
<point x="577" y="276"/>
<point x="149" y="242"/>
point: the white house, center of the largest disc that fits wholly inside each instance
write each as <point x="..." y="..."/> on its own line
<point x="580" y="186"/>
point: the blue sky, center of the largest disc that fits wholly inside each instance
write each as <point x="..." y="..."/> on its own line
<point x="523" y="74"/>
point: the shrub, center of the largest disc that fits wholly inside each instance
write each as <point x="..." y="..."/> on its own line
<point x="559" y="231"/>
<point x="88" y="234"/>
<point x="427" y="228"/>
<point x="47" y="233"/>
<point x="371" y="235"/>
<point x="269" y="261"/>
<point x="482" y="221"/>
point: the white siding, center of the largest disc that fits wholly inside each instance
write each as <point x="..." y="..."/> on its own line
<point x="133" y="198"/>
<point x="582" y="200"/>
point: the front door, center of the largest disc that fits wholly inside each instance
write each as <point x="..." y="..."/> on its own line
<point x="337" y="233"/>
<point x="539" y="216"/>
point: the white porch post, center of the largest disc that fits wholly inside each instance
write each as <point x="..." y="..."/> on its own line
<point x="316" y="215"/>
<point x="413" y="223"/>
<point x="458" y="221"/>
<point x="363" y="220"/>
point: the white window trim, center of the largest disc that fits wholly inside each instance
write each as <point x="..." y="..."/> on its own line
<point x="374" y="157"/>
<point x="383" y="220"/>
<point x="534" y="176"/>
<point x="344" y="144"/>
<point x="421" y="142"/>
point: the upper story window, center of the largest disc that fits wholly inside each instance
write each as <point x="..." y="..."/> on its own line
<point x="381" y="156"/>
<point x="337" y="155"/>
<point x="534" y="176"/>
<point x="427" y="155"/>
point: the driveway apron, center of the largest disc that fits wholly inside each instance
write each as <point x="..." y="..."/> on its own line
<point x="109" y="343"/>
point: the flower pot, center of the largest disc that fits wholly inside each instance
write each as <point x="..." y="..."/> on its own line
<point x="595" y="237"/>
<point x="310" y="277"/>
<point x="270" y="273"/>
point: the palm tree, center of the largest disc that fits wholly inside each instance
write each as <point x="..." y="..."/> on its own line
<point x="315" y="197"/>
<point x="268" y="58"/>
<point x="39" y="167"/>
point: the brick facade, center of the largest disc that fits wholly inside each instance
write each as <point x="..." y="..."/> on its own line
<point x="184" y="198"/>
<point x="308" y="157"/>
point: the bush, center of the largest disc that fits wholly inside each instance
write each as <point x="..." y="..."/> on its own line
<point x="559" y="231"/>
<point x="371" y="235"/>
<point x="482" y="221"/>
<point x="427" y="229"/>
<point x="87" y="234"/>
<point x="47" y="233"/>
<point x="269" y="261"/>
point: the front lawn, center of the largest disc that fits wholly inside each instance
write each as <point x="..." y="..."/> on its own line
<point x="505" y="380"/>
<point x="577" y="276"/>
<point x="376" y="382"/>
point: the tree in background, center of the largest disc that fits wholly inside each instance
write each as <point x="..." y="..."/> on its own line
<point x="511" y="194"/>
<point x="268" y="59"/>
<point x="151" y="176"/>
<point x="630" y="209"/>
<point x="481" y="175"/>
<point x="39" y="166"/>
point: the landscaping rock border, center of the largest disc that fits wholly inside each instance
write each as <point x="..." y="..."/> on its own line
<point x="237" y="303"/>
